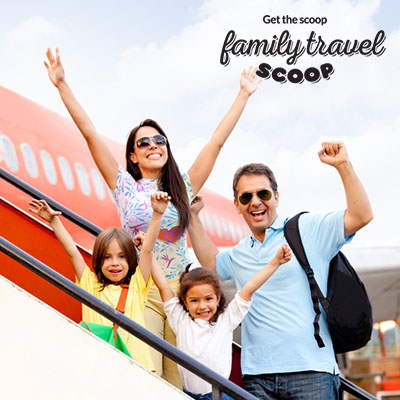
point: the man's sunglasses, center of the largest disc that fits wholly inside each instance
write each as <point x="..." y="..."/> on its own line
<point x="145" y="141"/>
<point x="263" y="194"/>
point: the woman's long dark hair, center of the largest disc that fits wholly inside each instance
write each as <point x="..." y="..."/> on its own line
<point x="170" y="181"/>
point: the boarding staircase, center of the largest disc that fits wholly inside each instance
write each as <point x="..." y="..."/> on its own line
<point x="44" y="353"/>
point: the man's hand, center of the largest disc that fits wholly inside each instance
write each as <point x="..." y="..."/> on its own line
<point x="333" y="153"/>
<point x="197" y="204"/>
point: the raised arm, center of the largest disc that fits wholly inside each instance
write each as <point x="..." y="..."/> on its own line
<point x="101" y="154"/>
<point x="43" y="210"/>
<point x="204" y="249"/>
<point x="281" y="257"/>
<point x="204" y="163"/>
<point x="359" y="212"/>
<point x="147" y="262"/>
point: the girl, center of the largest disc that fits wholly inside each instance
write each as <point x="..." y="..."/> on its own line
<point x="151" y="167"/>
<point x="114" y="262"/>
<point x="202" y="322"/>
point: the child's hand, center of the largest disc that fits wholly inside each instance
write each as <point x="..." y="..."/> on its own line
<point x="197" y="204"/>
<point x="159" y="202"/>
<point x="283" y="255"/>
<point x="138" y="240"/>
<point x="43" y="210"/>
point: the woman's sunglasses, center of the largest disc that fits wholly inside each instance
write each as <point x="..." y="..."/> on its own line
<point x="263" y="194"/>
<point x="145" y="141"/>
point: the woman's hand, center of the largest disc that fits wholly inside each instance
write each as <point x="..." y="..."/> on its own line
<point x="54" y="67"/>
<point x="249" y="81"/>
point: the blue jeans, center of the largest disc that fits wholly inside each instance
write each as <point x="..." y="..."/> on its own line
<point x="307" y="385"/>
<point x="206" y="396"/>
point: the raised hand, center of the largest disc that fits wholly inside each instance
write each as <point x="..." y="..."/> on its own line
<point x="159" y="202"/>
<point x="333" y="153"/>
<point x="249" y="81"/>
<point x="54" y="67"/>
<point x="43" y="210"/>
<point x="197" y="204"/>
<point x="283" y="255"/>
<point x="138" y="240"/>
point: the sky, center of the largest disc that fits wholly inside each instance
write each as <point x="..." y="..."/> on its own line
<point x="131" y="60"/>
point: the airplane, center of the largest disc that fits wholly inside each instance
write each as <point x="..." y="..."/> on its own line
<point x="47" y="151"/>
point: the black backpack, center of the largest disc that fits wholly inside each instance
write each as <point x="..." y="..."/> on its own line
<point x="347" y="307"/>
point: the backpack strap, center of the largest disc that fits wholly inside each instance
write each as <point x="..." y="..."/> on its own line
<point x="293" y="238"/>
<point x="121" y="307"/>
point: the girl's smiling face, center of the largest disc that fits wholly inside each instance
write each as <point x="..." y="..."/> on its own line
<point x="115" y="265"/>
<point x="201" y="301"/>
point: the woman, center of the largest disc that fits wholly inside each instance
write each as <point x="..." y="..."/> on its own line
<point x="151" y="167"/>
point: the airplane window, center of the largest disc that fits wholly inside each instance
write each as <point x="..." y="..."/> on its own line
<point x="217" y="225"/>
<point x="233" y="231"/>
<point x="209" y="222"/>
<point x="98" y="184"/>
<point x="225" y="228"/>
<point x="66" y="173"/>
<point x="83" y="178"/>
<point x="9" y="153"/>
<point x="48" y="166"/>
<point x="30" y="160"/>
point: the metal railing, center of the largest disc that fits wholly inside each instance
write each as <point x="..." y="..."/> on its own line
<point x="218" y="382"/>
<point x="67" y="213"/>
<point x="350" y="387"/>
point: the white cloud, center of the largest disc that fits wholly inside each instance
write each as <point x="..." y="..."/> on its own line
<point x="32" y="31"/>
<point x="179" y="82"/>
<point x="164" y="75"/>
<point x="23" y="50"/>
<point x="307" y="184"/>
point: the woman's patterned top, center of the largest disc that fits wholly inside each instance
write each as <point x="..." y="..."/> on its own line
<point x="135" y="211"/>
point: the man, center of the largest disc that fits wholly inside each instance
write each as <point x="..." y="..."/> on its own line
<point x="280" y="357"/>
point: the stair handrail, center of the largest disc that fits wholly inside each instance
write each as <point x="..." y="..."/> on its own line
<point x="67" y="213"/>
<point x="218" y="382"/>
<point x="161" y="345"/>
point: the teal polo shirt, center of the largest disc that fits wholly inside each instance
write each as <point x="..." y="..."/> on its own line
<point x="277" y="332"/>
